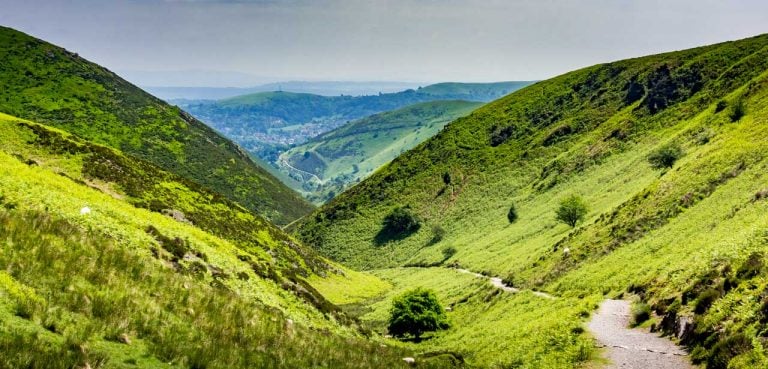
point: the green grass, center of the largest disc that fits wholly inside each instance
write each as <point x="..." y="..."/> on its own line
<point x="491" y="328"/>
<point x="668" y="235"/>
<point x="354" y="151"/>
<point x="74" y="285"/>
<point x="53" y="86"/>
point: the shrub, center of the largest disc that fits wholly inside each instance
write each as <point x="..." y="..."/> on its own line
<point x="416" y="312"/>
<point x="447" y="178"/>
<point x="448" y="252"/>
<point x="738" y="110"/>
<point x="401" y="220"/>
<point x="665" y="156"/>
<point x="705" y="300"/>
<point x="572" y="210"/>
<point x="438" y="233"/>
<point x="512" y="214"/>
<point x="725" y="350"/>
<point x="641" y="312"/>
<point x="721" y="105"/>
<point x="751" y="267"/>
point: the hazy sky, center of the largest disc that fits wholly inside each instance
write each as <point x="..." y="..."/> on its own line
<point x="409" y="40"/>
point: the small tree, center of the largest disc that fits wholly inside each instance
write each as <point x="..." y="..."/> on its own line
<point x="448" y="252"/>
<point x="572" y="210"/>
<point x="665" y="156"/>
<point x="447" y="178"/>
<point x="416" y="312"/>
<point x="512" y="214"/>
<point x="401" y="220"/>
<point x="738" y="110"/>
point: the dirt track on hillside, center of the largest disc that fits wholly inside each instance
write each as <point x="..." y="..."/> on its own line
<point x="628" y="348"/>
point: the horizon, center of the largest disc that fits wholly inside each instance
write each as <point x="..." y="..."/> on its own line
<point x="266" y="41"/>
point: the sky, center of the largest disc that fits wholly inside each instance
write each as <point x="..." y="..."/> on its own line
<point x="244" y="42"/>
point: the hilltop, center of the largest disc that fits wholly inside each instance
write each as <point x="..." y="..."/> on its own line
<point x="53" y="86"/>
<point x="267" y="123"/>
<point x="327" y="164"/>
<point x="668" y="153"/>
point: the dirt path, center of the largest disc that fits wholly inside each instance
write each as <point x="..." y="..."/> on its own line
<point x="628" y="348"/>
<point x="498" y="283"/>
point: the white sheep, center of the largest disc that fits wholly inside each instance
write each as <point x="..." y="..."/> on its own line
<point x="85" y="210"/>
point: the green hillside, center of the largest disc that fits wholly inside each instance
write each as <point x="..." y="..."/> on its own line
<point x="50" y="85"/>
<point x="267" y="123"/>
<point x="689" y="239"/>
<point x="118" y="286"/>
<point x="327" y="164"/>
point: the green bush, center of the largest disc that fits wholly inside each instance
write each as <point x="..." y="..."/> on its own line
<point x="448" y="252"/>
<point x="512" y="214"/>
<point x="705" y="300"/>
<point x="641" y="312"/>
<point x="738" y="110"/>
<point x="415" y="312"/>
<point x="665" y="156"/>
<point x="402" y="220"/>
<point x="572" y="210"/>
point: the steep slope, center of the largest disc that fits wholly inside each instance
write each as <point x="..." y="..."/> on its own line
<point x="327" y="164"/>
<point x="689" y="240"/>
<point x="89" y="280"/>
<point x="268" y="122"/>
<point x="50" y="85"/>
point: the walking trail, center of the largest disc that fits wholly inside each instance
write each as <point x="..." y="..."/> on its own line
<point x="498" y="283"/>
<point x="628" y="348"/>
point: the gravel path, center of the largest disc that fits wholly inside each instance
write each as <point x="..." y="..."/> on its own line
<point x="633" y="348"/>
<point x="498" y="283"/>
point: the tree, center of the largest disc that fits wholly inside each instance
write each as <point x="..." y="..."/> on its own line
<point x="512" y="214"/>
<point x="572" y="210"/>
<point x="665" y="156"/>
<point x="447" y="178"/>
<point x="416" y="312"/>
<point x="401" y="220"/>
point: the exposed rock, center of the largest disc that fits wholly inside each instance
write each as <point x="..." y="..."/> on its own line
<point x="409" y="360"/>
<point x="123" y="338"/>
<point x="176" y="215"/>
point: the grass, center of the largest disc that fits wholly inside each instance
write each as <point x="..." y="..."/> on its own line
<point x="53" y="86"/>
<point x="668" y="233"/>
<point x="129" y="302"/>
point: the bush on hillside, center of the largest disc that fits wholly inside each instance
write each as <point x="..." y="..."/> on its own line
<point x="665" y="156"/>
<point x="401" y="220"/>
<point x="738" y="110"/>
<point x="705" y="300"/>
<point x="512" y="214"/>
<point x="448" y="252"/>
<point x="572" y="210"/>
<point x="641" y="312"/>
<point x="415" y="312"/>
<point x="438" y="233"/>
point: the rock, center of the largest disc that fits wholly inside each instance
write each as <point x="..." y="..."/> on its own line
<point x="123" y="338"/>
<point x="566" y="251"/>
<point x="448" y="308"/>
<point x="409" y="360"/>
<point x="85" y="210"/>
<point x="176" y="215"/>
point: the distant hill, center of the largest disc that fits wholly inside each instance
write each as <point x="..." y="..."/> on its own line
<point x="668" y="155"/>
<point x="324" y="88"/>
<point x="325" y="165"/>
<point x="50" y="85"/>
<point x="268" y="123"/>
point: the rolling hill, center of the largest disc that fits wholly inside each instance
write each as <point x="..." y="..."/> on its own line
<point x="325" y="165"/>
<point x="267" y="123"/>
<point x="668" y="153"/>
<point x="50" y="85"/>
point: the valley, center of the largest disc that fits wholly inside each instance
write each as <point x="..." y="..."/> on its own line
<point x="613" y="216"/>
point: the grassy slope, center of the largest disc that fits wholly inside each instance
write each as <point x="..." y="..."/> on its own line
<point x="165" y="289"/>
<point x="667" y="235"/>
<point x="50" y="85"/>
<point x="352" y="152"/>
